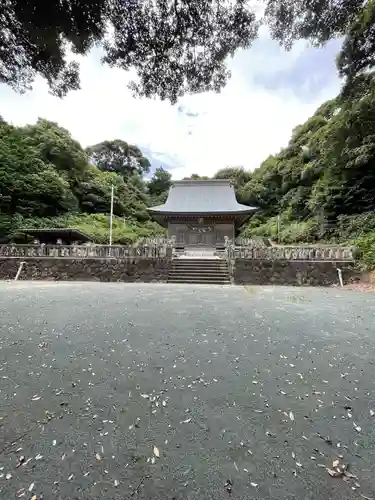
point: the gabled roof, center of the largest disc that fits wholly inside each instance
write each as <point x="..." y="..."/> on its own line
<point x="62" y="233"/>
<point x="201" y="197"/>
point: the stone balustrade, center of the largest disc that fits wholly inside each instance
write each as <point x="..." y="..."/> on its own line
<point x="164" y="249"/>
<point x="156" y="241"/>
<point x="292" y="253"/>
<point x="87" y="251"/>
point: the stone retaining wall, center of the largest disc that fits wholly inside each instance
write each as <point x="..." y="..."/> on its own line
<point x="292" y="272"/>
<point x="245" y="272"/>
<point x="65" y="269"/>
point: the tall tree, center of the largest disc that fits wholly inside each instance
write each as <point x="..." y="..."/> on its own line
<point x="238" y="175"/>
<point x="29" y="184"/>
<point x="196" y="177"/>
<point x="160" y="182"/>
<point x="174" y="46"/>
<point x="56" y="146"/>
<point x="118" y="156"/>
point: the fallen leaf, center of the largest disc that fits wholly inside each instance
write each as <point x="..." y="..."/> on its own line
<point x="334" y="473"/>
<point x="350" y="475"/>
<point x="156" y="452"/>
<point x="357" y="427"/>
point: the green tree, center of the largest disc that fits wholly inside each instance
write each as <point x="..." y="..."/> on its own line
<point x="174" y="47"/>
<point x="118" y="156"/>
<point x="160" y="182"/>
<point x="196" y="177"/>
<point x="238" y="175"/>
<point x="325" y="175"/>
<point x="45" y="178"/>
<point x="56" y="146"/>
<point x="30" y="185"/>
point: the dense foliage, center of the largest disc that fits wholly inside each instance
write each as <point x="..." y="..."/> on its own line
<point x="120" y="157"/>
<point x="321" y="187"/>
<point x="47" y="180"/>
<point x="174" y="46"/>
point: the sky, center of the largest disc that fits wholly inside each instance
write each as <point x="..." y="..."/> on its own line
<point x="270" y="92"/>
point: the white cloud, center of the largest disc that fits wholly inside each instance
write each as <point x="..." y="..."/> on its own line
<point x="240" y="126"/>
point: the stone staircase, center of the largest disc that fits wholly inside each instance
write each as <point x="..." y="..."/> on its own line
<point x="199" y="270"/>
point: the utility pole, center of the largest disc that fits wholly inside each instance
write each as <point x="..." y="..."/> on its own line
<point x="111" y="217"/>
<point x="278" y="229"/>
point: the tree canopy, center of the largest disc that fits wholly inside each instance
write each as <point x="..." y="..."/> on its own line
<point x="120" y="157"/>
<point x="174" y="47"/>
<point x="159" y="183"/>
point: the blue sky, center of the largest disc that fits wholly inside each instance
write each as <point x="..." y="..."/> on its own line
<point x="270" y="92"/>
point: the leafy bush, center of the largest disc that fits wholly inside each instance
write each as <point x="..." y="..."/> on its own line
<point x="355" y="226"/>
<point x="298" y="232"/>
<point x="365" y="250"/>
<point x="124" y="231"/>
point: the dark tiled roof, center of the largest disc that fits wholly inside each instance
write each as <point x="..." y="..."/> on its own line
<point x="213" y="196"/>
<point x="62" y="233"/>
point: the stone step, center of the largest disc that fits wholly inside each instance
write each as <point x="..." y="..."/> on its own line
<point x="211" y="268"/>
<point x="201" y="261"/>
<point x="200" y="281"/>
<point x="197" y="271"/>
<point x="206" y="261"/>
<point x="199" y="276"/>
<point x="214" y="268"/>
<point x="200" y="266"/>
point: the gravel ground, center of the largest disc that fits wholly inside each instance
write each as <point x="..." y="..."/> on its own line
<point x="115" y="391"/>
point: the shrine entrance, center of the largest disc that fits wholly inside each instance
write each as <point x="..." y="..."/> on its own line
<point x="198" y="236"/>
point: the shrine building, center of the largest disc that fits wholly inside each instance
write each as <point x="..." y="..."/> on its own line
<point x="201" y="213"/>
